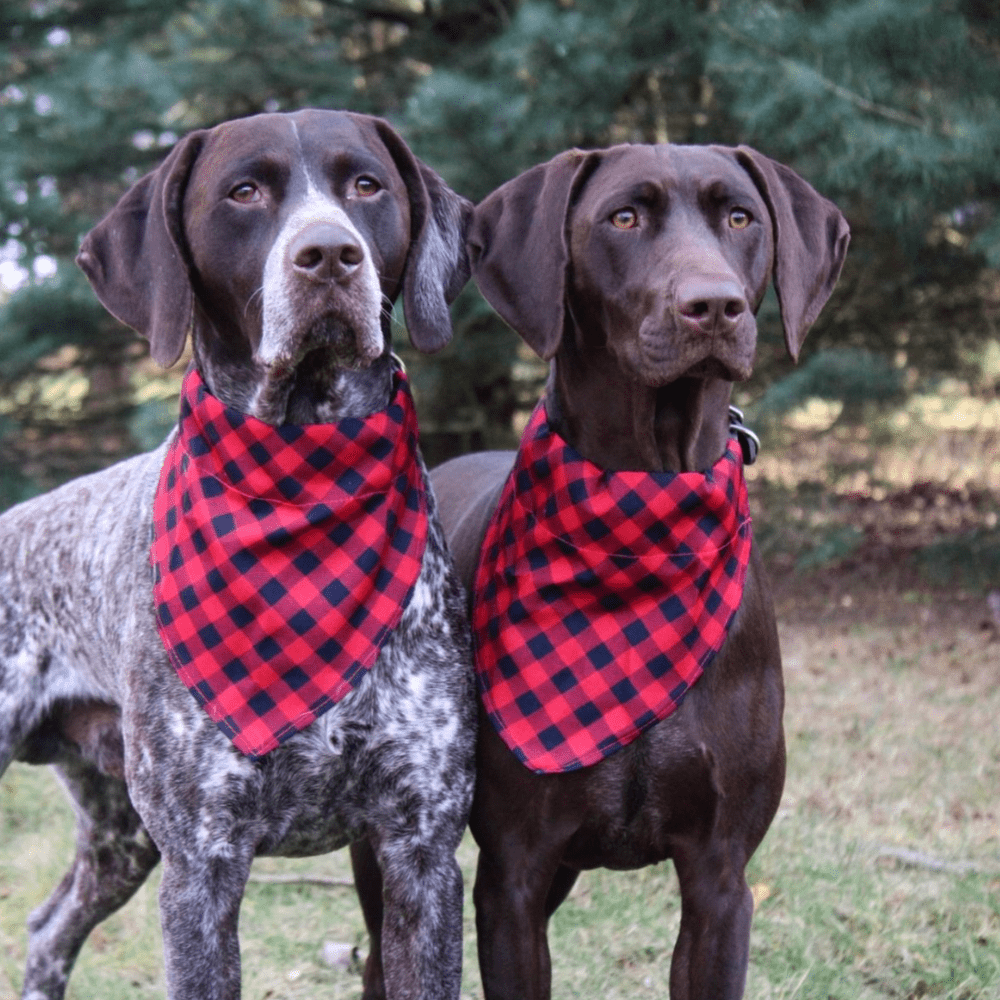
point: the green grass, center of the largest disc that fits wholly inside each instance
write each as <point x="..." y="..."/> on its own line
<point x="893" y="744"/>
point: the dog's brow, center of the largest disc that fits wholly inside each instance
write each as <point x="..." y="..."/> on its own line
<point x="336" y="163"/>
<point x="346" y="164"/>
<point x="262" y="166"/>
<point x="638" y="193"/>
<point x="718" y="190"/>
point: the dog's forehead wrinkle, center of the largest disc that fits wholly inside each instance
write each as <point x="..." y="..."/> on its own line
<point x="246" y="142"/>
<point x="665" y="171"/>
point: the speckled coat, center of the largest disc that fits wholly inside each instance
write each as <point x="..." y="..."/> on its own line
<point x="213" y="246"/>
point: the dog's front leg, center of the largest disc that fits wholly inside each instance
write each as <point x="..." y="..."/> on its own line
<point x="511" y="896"/>
<point x="421" y="940"/>
<point x="199" y="911"/>
<point x="713" y="945"/>
<point x="202" y="810"/>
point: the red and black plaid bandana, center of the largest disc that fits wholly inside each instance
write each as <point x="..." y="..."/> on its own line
<point x="283" y="557"/>
<point x="600" y="597"/>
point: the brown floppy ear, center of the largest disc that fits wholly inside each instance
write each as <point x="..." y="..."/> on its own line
<point x="810" y="237"/>
<point x="519" y="253"/>
<point x="437" y="266"/>
<point x="134" y="259"/>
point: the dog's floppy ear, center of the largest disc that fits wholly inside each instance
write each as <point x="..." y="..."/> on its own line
<point x="810" y="237"/>
<point x="134" y="256"/>
<point x="519" y="253"/>
<point x="437" y="266"/>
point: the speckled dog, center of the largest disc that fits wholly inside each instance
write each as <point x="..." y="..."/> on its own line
<point x="276" y="243"/>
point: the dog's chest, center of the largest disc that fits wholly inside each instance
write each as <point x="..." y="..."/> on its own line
<point x="402" y="735"/>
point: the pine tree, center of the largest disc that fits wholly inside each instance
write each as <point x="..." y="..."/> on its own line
<point x="887" y="106"/>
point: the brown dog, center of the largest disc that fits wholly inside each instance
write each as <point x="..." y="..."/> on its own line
<point x="638" y="270"/>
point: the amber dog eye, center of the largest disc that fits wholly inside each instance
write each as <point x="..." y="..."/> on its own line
<point x="367" y="186"/>
<point x="625" y="218"/>
<point x="739" y="218"/>
<point x="245" y="193"/>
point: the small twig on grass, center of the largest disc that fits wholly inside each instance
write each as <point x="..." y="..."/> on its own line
<point x="323" y="880"/>
<point x="916" y="859"/>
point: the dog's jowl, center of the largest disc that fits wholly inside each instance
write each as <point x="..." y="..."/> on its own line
<point x="629" y="671"/>
<point x="251" y="640"/>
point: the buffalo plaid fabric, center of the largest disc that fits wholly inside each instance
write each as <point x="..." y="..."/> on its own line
<point x="600" y="597"/>
<point x="283" y="557"/>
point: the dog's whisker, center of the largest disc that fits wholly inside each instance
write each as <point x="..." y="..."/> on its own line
<point x="259" y="293"/>
<point x="390" y="314"/>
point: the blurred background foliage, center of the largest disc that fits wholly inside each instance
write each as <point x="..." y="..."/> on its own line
<point x="884" y="439"/>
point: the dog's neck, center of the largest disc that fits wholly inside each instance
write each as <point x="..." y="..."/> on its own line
<point x="618" y="422"/>
<point x="317" y="390"/>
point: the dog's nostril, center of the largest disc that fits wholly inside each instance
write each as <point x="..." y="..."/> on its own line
<point x="351" y="255"/>
<point x="309" y="258"/>
<point x="735" y="308"/>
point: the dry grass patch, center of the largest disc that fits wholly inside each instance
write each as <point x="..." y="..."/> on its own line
<point x="884" y="862"/>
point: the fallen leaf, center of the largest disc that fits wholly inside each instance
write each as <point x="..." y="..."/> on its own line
<point x="760" y="892"/>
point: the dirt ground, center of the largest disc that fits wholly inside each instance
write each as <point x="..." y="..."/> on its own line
<point x="886" y="595"/>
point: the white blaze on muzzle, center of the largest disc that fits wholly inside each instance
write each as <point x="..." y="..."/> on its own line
<point x="293" y="300"/>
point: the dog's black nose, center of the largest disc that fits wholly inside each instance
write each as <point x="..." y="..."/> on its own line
<point x="325" y="251"/>
<point x="710" y="305"/>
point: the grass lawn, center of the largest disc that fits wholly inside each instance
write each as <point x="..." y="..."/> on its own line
<point x="880" y="877"/>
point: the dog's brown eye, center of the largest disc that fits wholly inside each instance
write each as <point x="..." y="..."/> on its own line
<point x="245" y="193"/>
<point x="367" y="186"/>
<point x="625" y="218"/>
<point x="739" y="218"/>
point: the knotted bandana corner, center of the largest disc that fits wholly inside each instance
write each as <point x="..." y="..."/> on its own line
<point x="283" y="557"/>
<point x="601" y="597"/>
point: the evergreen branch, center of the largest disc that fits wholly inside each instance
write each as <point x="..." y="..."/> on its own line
<point x="405" y="11"/>
<point x="862" y="103"/>
<point x="410" y="12"/>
